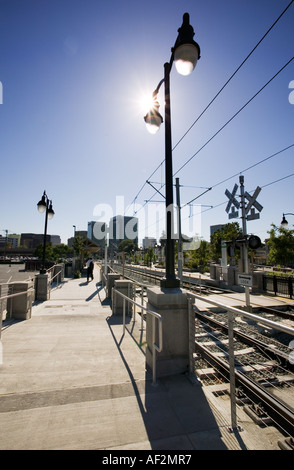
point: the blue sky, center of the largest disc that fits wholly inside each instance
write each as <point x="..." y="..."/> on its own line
<point x="73" y="75"/>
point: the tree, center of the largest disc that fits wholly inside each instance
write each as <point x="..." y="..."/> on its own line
<point x="61" y="251"/>
<point x="281" y="246"/>
<point x="78" y="245"/>
<point x="55" y="253"/>
<point x="127" y="246"/>
<point x="48" y="252"/>
<point x="200" y="257"/>
<point x="227" y="232"/>
<point x="149" y="256"/>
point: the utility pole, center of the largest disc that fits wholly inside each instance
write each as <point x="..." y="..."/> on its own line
<point x="244" y="246"/>
<point x="253" y="241"/>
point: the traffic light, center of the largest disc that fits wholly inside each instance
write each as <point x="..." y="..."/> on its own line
<point x="254" y="242"/>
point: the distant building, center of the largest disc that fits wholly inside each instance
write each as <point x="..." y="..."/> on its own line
<point x="55" y="240"/>
<point x="97" y="232"/>
<point x="214" y="228"/>
<point x="122" y="228"/>
<point x="81" y="233"/>
<point x="149" y="242"/>
<point x="11" y="241"/>
<point x="14" y="240"/>
<point x="33" y="240"/>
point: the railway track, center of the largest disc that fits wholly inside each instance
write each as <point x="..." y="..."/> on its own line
<point x="151" y="277"/>
<point x="264" y="376"/>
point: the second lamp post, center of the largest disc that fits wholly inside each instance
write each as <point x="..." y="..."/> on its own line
<point x="185" y="54"/>
<point x="284" y="222"/>
<point x="45" y="205"/>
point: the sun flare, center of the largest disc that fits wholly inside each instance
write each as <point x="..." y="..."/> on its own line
<point x="146" y="102"/>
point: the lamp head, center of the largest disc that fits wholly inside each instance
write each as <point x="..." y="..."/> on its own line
<point x="42" y="204"/>
<point x="50" y="211"/>
<point x="153" y="119"/>
<point x="284" y="222"/>
<point x="186" y="50"/>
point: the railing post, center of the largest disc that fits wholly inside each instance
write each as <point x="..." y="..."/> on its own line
<point x="191" y="321"/>
<point x="142" y="301"/>
<point x="1" y="312"/>
<point x="153" y="352"/>
<point x="290" y="287"/>
<point x="11" y="302"/>
<point x="124" y="315"/>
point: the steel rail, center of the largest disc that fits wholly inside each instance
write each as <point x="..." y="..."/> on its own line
<point x="277" y="410"/>
<point x="272" y="351"/>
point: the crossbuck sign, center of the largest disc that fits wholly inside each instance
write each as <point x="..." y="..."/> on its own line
<point x="232" y="203"/>
<point x="252" y="204"/>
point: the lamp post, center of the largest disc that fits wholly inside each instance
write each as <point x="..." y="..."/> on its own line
<point x="45" y="205"/>
<point x="185" y="54"/>
<point x="284" y="222"/>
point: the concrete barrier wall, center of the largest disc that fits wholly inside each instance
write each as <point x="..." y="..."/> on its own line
<point x="110" y="281"/>
<point x="58" y="271"/>
<point x="42" y="287"/>
<point x="20" y="306"/>
<point x="126" y="288"/>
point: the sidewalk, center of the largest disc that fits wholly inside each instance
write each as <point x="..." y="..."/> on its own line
<point x="70" y="380"/>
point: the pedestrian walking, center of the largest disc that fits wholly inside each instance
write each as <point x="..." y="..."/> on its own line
<point x="90" y="269"/>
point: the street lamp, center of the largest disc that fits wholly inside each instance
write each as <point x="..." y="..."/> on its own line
<point x="185" y="54"/>
<point x="44" y="205"/>
<point x="284" y="222"/>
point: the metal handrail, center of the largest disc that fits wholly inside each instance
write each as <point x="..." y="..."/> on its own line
<point x="244" y="313"/>
<point x="57" y="274"/>
<point x="18" y="293"/>
<point x="155" y="316"/>
<point x="231" y="312"/>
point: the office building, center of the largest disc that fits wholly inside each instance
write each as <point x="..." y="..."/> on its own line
<point x="97" y="231"/>
<point x="122" y="228"/>
<point x="33" y="240"/>
<point x="149" y="242"/>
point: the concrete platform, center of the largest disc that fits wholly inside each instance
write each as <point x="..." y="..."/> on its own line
<point x="236" y="299"/>
<point x="70" y="380"/>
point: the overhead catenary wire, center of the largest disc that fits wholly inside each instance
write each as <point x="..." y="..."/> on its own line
<point x="235" y="115"/>
<point x="264" y="186"/>
<point x="229" y="121"/>
<point x="254" y="165"/>
<point x="232" y="76"/>
<point x="215" y="97"/>
<point x="210" y="207"/>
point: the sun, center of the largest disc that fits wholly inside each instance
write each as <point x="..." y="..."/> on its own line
<point x="146" y="102"/>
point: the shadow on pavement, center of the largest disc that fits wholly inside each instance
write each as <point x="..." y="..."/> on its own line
<point x="175" y="412"/>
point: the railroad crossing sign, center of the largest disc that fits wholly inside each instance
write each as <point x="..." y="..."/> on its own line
<point x="232" y="203"/>
<point x="253" y="202"/>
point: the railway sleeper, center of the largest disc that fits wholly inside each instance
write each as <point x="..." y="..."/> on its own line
<point x="257" y="413"/>
<point x="219" y="389"/>
<point x="286" y="444"/>
<point x="279" y="412"/>
<point x="207" y="373"/>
